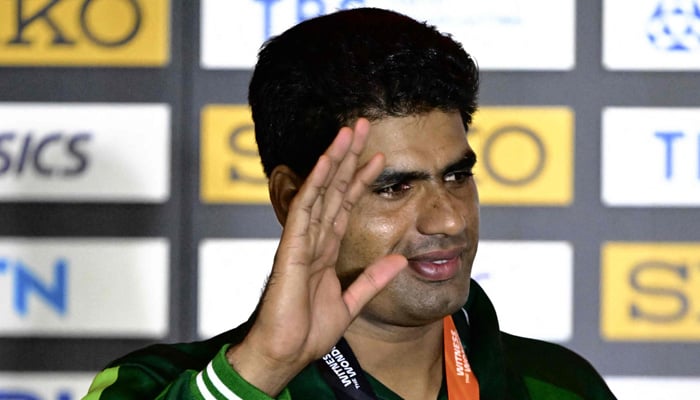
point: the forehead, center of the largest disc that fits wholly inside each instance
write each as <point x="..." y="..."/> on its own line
<point x="431" y="139"/>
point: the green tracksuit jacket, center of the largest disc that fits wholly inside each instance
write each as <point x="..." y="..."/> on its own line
<point x="506" y="366"/>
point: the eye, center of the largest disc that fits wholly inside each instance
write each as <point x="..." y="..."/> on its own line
<point x="459" y="176"/>
<point x="394" y="190"/>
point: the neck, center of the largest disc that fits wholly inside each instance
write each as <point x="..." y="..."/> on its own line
<point x="408" y="360"/>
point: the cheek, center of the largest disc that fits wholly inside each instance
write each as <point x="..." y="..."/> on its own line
<point x="382" y="230"/>
<point x="368" y="237"/>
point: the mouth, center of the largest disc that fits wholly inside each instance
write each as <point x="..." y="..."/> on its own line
<point x="437" y="266"/>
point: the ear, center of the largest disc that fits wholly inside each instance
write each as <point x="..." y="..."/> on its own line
<point x="283" y="186"/>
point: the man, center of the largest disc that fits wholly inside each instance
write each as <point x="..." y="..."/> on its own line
<point x="361" y="119"/>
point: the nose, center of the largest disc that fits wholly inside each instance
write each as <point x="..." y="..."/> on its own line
<point x="442" y="213"/>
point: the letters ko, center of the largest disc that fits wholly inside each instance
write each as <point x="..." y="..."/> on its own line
<point x="25" y="20"/>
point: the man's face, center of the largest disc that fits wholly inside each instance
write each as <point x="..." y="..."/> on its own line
<point x="424" y="205"/>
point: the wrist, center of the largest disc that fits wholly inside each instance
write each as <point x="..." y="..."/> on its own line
<point x="268" y="375"/>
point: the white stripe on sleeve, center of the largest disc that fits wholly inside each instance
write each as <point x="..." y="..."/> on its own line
<point x="203" y="390"/>
<point x="220" y="386"/>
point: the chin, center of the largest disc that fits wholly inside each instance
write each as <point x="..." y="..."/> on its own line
<point x="408" y="301"/>
<point x="444" y="302"/>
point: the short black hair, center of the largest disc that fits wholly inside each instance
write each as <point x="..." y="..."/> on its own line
<point x="326" y="72"/>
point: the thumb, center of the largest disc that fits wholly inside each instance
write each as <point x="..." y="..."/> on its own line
<point x="371" y="281"/>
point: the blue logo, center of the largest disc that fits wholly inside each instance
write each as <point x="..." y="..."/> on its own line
<point x="26" y="282"/>
<point x="17" y="395"/>
<point x="675" y="25"/>
<point x="305" y="9"/>
<point x="670" y="139"/>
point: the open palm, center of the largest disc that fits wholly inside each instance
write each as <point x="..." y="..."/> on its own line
<point x="304" y="310"/>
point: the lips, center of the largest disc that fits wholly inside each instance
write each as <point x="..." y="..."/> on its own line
<point x="437" y="265"/>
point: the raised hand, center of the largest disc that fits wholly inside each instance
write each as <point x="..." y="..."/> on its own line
<point x="304" y="311"/>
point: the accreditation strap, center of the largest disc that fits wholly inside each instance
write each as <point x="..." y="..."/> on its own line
<point x="461" y="381"/>
<point x="342" y="372"/>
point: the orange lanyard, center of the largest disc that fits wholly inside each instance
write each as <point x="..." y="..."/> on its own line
<point x="343" y="374"/>
<point x="461" y="382"/>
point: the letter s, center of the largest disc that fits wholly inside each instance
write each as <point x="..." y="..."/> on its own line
<point x="237" y="174"/>
<point x="680" y="270"/>
<point x="78" y="154"/>
<point x="5" y="157"/>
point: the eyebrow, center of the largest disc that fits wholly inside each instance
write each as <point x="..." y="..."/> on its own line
<point x="390" y="176"/>
<point x="467" y="162"/>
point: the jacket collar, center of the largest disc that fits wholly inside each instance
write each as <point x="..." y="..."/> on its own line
<point x="481" y="338"/>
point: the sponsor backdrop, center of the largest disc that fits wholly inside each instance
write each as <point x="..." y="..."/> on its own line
<point x="133" y="208"/>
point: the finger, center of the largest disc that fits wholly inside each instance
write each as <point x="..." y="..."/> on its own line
<point x="364" y="178"/>
<point x="342" y="179"/>
<point x="303" y="220"/>
<point x="361" y="130"/>
<point x="372" y="280"/>
<point x="336" y="154"/>
<point x="315" y="185"/>
<point x="302" y="206"/>
<point x="338" y="150"/>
